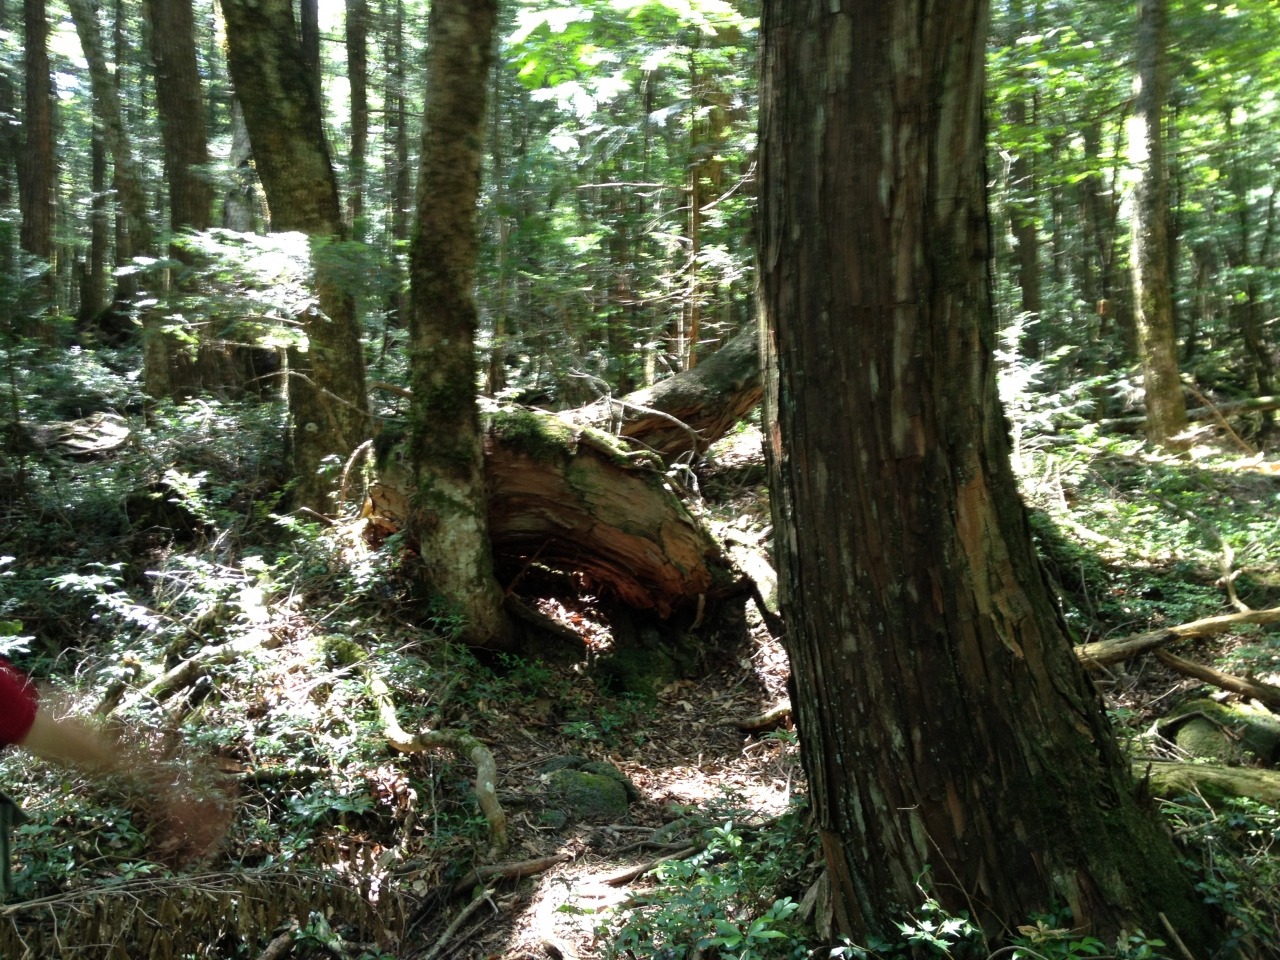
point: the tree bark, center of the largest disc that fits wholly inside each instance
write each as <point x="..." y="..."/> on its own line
<point x="358" y="77"/>
<point x="10" y="136"/>
<point x="309" y="37"/>
<point x="945" y="723"/>
<point x="1149" y="238"/>
<point x="180" y="103"/>
<point x="93" y="292"/>
<point x="36" y="164"/>
<point x="240" y="210"/>
<point x="450" y="515"/>
<point x="328" y="408"/>
<point x="131" y="192"/>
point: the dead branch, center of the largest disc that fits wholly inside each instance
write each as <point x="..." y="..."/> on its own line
<point x="457" y="923"/>
<point x="626" y="876"/>
<point x="1254" y="405"/>
<point x="279" y="948"/>
<point x="1114" y="651"/>
<point x="460" y="743"/>
<point x="509" y="871"/>
<point x="1265" y="693"/>
<point x="191" y="669"/>
<point x="767" y="720"/>
<point x="392" y="388"/>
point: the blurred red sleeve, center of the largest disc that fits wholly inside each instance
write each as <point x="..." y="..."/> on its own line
<point x="18" y="701"/>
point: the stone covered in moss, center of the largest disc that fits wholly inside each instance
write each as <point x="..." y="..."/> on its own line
<point x="587" y="796"/>
<point x="1216" y="731"/>
<point x="603" y="769"/>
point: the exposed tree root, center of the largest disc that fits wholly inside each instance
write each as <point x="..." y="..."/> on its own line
<point x="767" y="720"/>
<point x="1113" y="651"/>
<point x="509" y="871"/>
<point x="193" y="668"/>
<point x="460" y="743"/>
<point x="626" y="876"/>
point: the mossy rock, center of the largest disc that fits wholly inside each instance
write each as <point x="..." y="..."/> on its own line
<point x="1215" y="731"/>
<point x="587" y="796"/>
<point x="341" y="651"/>
<point x="642" y="672"/>
<point x="603" y="769"/>
<point x="553" y="819"/>
<point x="561" y="763"/>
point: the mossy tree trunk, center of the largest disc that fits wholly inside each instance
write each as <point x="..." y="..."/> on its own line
<point x="448" y="514"/>
<point x="328" y="407"/>
<point x="945" y="722"/>
<point x="358" y="77"/>
<point x="1149" y="237"/>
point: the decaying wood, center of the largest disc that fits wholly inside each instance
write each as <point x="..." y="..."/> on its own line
<point x="706" y="400"/>
<point x="578" y="502"/>
<point x="1169" y="780"/>
<point x="1107" y="652"/>
<point x="1265" y="693"/>
<point x="195" y="666"/>
<point x="460" y="743"/>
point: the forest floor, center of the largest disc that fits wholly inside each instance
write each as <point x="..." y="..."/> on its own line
<point x="1130" y="539"/>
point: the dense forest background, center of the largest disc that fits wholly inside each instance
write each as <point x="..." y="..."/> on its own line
<point x="181" y="559"/>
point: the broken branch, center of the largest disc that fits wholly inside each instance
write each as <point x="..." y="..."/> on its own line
<point x="1264" y="693"/>
<point x="1113" y="651"/>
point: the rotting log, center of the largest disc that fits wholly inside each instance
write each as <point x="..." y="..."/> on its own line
<point x="1107" y="652"/>
<point x="575" y="500"/>
<point x="1215" y="783"/>
<point x="1265" y="693"/>
<point x="704" y="401"/>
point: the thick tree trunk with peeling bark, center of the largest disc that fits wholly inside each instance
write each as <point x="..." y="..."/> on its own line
<point x="574" y="500"/>
<point x="946" y="725"/>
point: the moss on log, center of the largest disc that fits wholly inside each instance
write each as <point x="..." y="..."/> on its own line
<point x="574" y="499"/>
<point x="1215" y="783"/>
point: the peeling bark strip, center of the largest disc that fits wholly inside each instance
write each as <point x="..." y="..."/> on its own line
<point x="327" y="403"/>
<point x="946" y="722"/>
<point x="449" y="510"/>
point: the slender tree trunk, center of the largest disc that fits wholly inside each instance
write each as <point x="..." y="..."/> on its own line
<point x="10" y="138"/>
<point x="1024" y="192"/>
<point x="180" y="103"/>
<point x="358" y="77"/>
<point x="1149" y="237"/>
<point x="397" y="159"/>
<point x="450" y="516"/>
<point x="131" y="193"/>
<point x="328" y="407"/>
<point x="36" y="164"/>
<point x="93" y="292"/>
<point x="945" y="723"/>
<point x="309" y="36"/>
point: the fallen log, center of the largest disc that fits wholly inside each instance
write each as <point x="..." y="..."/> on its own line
<point x="1253" y="405"/>
<point x="1215" y="783"/>
<point x="1265" y="693"/>
<point x="699" y="405"/>
<point x="574" y="499"/>
<point x="1106" y="652"/>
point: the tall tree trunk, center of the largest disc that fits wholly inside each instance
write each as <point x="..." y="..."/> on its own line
<point x="328" y="407"/>
<point x="397" y="159"/>
<point x="1149" y="236"/>
<point x="131" y="193"/>
<point x="450" y="516"/>
<point x="945" y="723"/>
<point x="10" y="139"/>
<point x="36" y="164"/>
<point x="309" y="36"/>
<point x="358" y="77"/>
<point x="180" y="103"/>
<point x="93" y="292"/>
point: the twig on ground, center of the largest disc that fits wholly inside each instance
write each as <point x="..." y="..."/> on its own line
<point x="509" y="871"/>
<point x="626" y="876"/>
<point x="457" y="923"/>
